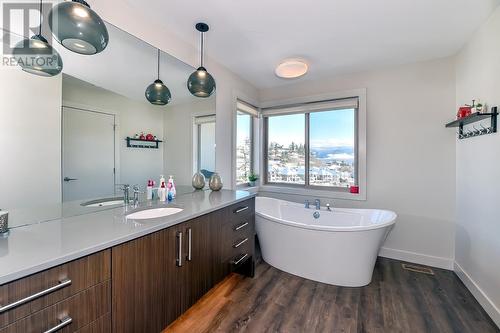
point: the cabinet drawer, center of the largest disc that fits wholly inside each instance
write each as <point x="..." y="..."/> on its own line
<point x="38" y="291"/>
<point x="236" y="257"/>
<point x="101" y="325"/>
<point x="238" y="230"/>
<point x="69" y="315"/>
<point x="239" y="211"/>
<point x="238" y="247"/>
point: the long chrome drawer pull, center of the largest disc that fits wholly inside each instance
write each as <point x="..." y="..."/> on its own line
<point x="243" y="241"/>
<point x="189" y="256"/>
<point x="179" y="255"/>
<point x="241" y="226"/>
<point x="62" y="284"/>
<point x="240" y="259"/>
<point x="239" y="210"/>
<point x="63" y="323"/>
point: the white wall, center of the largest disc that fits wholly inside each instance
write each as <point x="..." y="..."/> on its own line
<point x="136" y="165"/>
<point x="179" y="129"/>
<point x="478" y="182"/>
<point x="227" y="82"/>
<point x="30" y="139"/>
<point x="410" y="155"/>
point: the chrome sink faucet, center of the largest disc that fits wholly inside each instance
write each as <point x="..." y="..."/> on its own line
<point x="306" y="204"/>
<point x="136" y="194"/>
<point x="328" y="208"/>
<point x="126" y="193"/>
<point x="317" y="203"/>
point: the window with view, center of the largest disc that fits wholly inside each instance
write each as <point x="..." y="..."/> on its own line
<point x="245" y="115"/>
<point x="313" y="146"/>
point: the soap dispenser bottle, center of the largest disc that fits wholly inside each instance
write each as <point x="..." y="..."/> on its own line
<point x="171" y="186"/>
<point x="162" y="192"/>
<point x="149" y="189"/>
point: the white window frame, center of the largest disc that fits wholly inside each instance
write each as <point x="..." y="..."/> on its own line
<point x="198" y="120"/>
<point x="331" y="192"/>
<point x="254" y="113"/>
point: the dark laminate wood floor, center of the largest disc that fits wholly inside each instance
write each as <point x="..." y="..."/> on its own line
<point x="396" y="301"/>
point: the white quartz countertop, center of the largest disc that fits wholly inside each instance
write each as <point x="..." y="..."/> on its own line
<point x="33" y="248"/>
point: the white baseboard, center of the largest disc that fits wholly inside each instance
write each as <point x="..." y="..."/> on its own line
<point x="483" y="299"/>
<point x="418" y="258"/>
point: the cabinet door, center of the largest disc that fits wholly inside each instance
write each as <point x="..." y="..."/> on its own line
<point x="219" y="269"/>
<point x="145" y="294"/>
<point x="199" y="251"/>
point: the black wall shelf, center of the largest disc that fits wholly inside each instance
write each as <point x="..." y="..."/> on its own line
<point x="474" y="118"/>
<point x="138" y="143"/>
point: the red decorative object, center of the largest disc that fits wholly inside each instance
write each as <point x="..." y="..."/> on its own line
<point x="464" y="111"/>
<point x="150" y="137"/>
<point x="142" y="137"/>
<point x="354" y="189"/>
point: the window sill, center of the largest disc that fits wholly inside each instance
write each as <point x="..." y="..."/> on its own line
<point x="248" y="188"/>
<point x="314" y="192"/>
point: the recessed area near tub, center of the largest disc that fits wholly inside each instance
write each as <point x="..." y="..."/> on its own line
<point x="268" y="166"/>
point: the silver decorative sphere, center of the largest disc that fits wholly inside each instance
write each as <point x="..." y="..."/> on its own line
<point x="198" y="181"/>
<point x="215" y="182"/>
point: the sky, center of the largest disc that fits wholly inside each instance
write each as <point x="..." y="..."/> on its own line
<point x="327" y="129"/>
<point x="243" y="128"/>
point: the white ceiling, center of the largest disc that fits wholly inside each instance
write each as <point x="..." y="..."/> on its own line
<point x="334" y="36"/>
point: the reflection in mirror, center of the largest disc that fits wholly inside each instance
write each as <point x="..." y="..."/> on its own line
<point x="205" y="145"/>
<point x="64" y="139"/>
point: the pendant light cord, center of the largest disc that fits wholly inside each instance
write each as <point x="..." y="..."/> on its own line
<point x="202" y="48"/>
<point x="40" y="27"/>
<point x="158" y="64"/>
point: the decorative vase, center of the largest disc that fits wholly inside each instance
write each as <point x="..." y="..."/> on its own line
<point x="251" y="183"/>
<point x="198" y="181"/>
<point x="215" y="182"/>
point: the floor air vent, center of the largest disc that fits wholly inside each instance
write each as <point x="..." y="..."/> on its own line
<point x="418" y="269"/>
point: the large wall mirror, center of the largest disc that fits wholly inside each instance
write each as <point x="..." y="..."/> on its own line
<point x="63" y="139"/>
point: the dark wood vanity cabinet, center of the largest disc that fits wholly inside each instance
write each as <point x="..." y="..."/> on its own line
<point x="159" y="276"/>
<point x="139" y="286"/>
<point x="75" y="296"/>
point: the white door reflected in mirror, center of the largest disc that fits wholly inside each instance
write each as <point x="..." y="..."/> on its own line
<point x="88" y="152"/>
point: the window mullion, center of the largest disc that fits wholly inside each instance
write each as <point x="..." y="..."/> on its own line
<point x="306" y="151"/>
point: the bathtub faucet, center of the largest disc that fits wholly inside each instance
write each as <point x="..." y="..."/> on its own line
<point x="317" y="203"/>
<point x="306" y="204"/>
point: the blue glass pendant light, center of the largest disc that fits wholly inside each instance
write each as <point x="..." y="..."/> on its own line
<point x="78" y="28"/>
<point x="201" y="83"/>
<point x="37" y="56"/>
<point x="157" y="93"/>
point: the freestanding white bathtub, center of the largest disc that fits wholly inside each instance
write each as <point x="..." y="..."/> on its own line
<point x="340" y="247"/>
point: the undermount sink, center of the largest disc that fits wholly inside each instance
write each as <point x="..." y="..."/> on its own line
<point x="153" y="213"/>
<point x="104" y="202"/>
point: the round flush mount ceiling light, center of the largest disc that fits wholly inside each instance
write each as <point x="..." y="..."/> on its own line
<point x="291" y="69"/>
